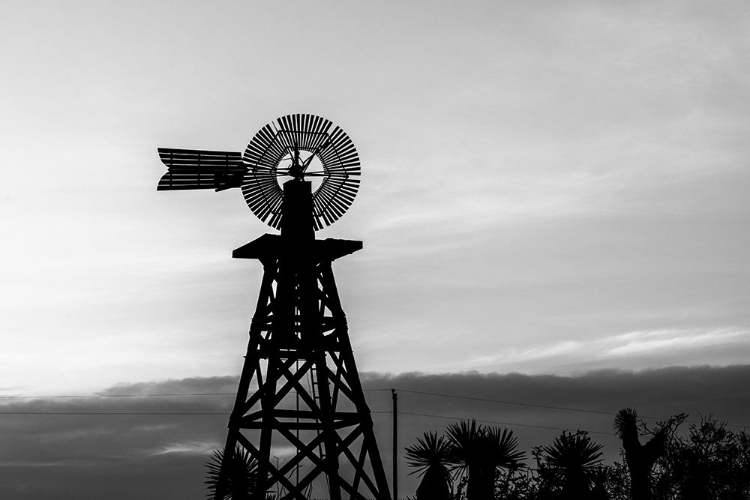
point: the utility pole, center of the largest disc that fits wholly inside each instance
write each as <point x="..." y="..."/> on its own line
<point x="395" y="444"/>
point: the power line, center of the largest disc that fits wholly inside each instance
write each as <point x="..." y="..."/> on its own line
<point x="516" y="403"/>
<point x="96" y="396"/>
<point x="533" y="405"/>
<point x="198" y="394"/>
<point x="113" y="413"/>
<point x="508" y="424"/>
<point x="203" y="394"/>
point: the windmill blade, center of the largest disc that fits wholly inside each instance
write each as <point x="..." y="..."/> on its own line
<point x="197" y="169"/>
<point x="274" y="152"/>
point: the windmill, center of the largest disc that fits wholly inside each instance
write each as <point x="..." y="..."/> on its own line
<point x="299" y="391"/>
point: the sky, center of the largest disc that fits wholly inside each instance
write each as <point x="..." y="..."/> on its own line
<point x="551" y="189"/>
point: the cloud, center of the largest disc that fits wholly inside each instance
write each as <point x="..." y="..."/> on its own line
<point x="202" y="449"/>
<point x="63" y="453"/>
<point x="652" y="342"/>
<point x="635" y="350"/>
<point x="190" y="385"/>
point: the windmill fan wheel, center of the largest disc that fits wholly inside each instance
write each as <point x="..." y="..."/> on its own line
<point x="302" y="147"/>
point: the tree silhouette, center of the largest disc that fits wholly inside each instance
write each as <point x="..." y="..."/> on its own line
<point x="242" y="475"/>
<point x="711" y="462"/>
<point x="430" y="458"/>
<point x="569" y="467"/>
<point x="478" y="451"/>
<point x="640" y="458"/>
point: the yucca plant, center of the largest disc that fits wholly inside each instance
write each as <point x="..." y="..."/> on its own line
<point x="478" y="451"/>
<point x="430" y="459"/>
<point x="572" y="461"/>
<point x="242" y="475"/>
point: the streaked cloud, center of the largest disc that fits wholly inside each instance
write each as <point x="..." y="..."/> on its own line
<point x="632" y="350"/>
<point x="202" y="449"/>
<point x="674" y="340"/>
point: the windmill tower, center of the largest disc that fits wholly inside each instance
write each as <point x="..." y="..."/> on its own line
<point x="299" y="394"/>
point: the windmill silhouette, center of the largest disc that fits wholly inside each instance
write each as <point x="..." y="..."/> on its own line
<point x="299" y="392"/>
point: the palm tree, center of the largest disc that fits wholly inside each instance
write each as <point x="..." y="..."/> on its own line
<point x="430" y="458"/>
<point x="572" y="461"/>
<point x="242" y="475"/>
<point x="479" y="451"/>
<point x="640" y="458"/>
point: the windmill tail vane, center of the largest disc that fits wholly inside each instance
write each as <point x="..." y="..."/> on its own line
<point x="196" y="169"/>
<point x="299" y="387"/>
